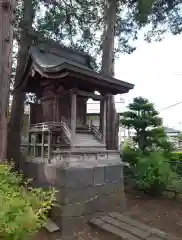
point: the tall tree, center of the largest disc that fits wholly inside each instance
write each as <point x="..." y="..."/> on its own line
<point x="108" y="67"/>
<point x="24" y="42"/>
<point x="116" y="27"/>
<point x="7" y="8"/>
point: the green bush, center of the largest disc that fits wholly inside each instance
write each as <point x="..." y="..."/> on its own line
<point x="23" y="210"/>
<point x="176" y="162"/>
<point x="152" y="173"/>
<point x="130" y="156"/>
<point x="130" y="153"/>
<point x="176" y="156"/>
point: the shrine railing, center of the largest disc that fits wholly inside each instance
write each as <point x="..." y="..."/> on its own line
<point x="45" y="126"/>
<point x="51" y="126"/>
<point x="96" y="132"/>
<point x="66" y="130"/>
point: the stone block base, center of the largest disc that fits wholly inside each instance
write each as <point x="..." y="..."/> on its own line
<point x="82" y="192"/>
<point x="70" y="216"/>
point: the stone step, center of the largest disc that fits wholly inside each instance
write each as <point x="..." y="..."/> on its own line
<point x="89" y="146"/>
<point x="90" y="150"/>
<point x="86" y="136"/>
<point x="86" y="139"/>
<point x="87" y="131"/>
<point x="87" y="143"/>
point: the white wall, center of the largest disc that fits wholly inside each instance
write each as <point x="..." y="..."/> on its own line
<point x="94" y="106"/>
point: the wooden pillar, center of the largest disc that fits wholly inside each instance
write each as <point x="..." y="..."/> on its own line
<point x="101" y="116"/>
<point x="73" y="116"/>
<point x="56" y="110"/>
<point x="29" y="144"/>
<point x="42" y="147"/>
<point x="103" y="119"/>
<point x="35" y="145"/>
<point x="85" y="111"/>
<point x="49" y="145"/>
<point x="117" y="131"/>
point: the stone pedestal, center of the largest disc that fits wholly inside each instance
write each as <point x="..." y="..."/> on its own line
<point x="83" y="192"/>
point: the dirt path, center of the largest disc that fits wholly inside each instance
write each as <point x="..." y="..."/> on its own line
<point x="86" y="234"/>
<point x="162" y="213"/>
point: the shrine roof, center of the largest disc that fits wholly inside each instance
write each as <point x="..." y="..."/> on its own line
<point x="51" y="60"/>
<point x="50" y="56"/>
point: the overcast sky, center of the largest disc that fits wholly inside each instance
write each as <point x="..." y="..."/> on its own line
<point x="156" y="71"/>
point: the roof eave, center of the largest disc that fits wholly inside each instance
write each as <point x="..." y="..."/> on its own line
<point x="72" y="69"/>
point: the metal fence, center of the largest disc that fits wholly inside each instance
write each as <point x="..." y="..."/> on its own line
<point x="176" y="166"/>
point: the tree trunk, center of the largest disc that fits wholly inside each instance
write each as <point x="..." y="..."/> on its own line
<point x="108" y="69"/>
<point x="15" y="123"/>
<point x="6" y="44"/>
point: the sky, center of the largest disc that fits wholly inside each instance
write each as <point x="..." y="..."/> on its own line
<point x="156" y="71"/>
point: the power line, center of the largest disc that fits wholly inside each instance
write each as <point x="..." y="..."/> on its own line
<point x="163" y="109"/>
<point x="170" y="106"/>
<point x="96" y="102"/>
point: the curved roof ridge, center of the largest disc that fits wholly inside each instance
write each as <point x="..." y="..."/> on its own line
<point x="61" y="45"/>
<point x="42" y="44"/>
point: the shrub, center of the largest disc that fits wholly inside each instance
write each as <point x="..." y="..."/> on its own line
<point x="23" y="210"/>
<point x="179" y="154"/>
<point x="152" y="173"/>
<point x="176" y="162"/>
<point x="176" y="156"/>
<point x="130" y="156"/>
<point x="130" y="153"/>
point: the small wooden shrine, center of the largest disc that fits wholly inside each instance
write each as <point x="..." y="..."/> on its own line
<point x="65" y="151"/>
<point x="63" y="80"/>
